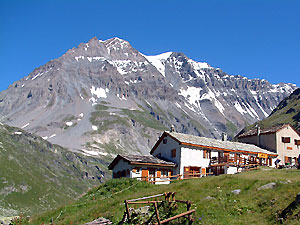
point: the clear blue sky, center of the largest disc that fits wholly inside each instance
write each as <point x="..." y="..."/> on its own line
<point x="253" y="38"/>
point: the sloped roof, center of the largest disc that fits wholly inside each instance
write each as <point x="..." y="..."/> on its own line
<point x="270" y="130"/>
<point x="141" y="159"/>
<point x="211" y="143"/>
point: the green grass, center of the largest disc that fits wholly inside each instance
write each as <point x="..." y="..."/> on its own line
<point x="100" y="107"/>
<point x="232" y="129"/>
<point x="249" y="207"/>
<point x="144" y="118"/>
<point x="36" y="176"/>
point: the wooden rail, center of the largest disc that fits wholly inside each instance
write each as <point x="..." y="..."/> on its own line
<point x="177" y="216"/>
<point x="169" y="197"/>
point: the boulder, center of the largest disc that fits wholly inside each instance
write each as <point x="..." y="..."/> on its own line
<point x="267" y="186"/>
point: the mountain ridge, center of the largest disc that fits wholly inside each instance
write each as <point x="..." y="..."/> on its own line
<point x="37" y="175"/>
<point x="98" y="96"/>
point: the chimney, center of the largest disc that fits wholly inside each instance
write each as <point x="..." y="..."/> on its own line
<point x="172" y="128"/>
<point x="224" y="137"/>
<point x="258" y="134"/>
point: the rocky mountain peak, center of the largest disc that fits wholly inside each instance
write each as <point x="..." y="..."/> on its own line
<point x="139" y="96"/>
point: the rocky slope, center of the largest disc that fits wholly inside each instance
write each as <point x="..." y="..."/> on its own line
<point x="105" y="97"/>
<point x="36" y="175"/>
<point x="288" y="111"/>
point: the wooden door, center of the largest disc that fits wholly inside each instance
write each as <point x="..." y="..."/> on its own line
<point x="145" y="174"/>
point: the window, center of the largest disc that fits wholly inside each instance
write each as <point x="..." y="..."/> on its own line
<point x="206" y="154"/>
<point x="289" y="148"/>
<point x="173" y="153"/>
<point x="286" y="139"/>
<point x="165" y="141"/>
<point x="297" y="142"/>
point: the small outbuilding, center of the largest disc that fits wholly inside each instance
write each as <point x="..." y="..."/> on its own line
<point x="142" y="167"/>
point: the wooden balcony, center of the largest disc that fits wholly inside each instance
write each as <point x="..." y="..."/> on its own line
<point x="234" y="161"/>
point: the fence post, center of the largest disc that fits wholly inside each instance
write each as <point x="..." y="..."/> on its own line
<point x="188" y="207"/>
<point x="157" y="214"/>
<point x="173" y="196"/>
<point x="127" y="210"/>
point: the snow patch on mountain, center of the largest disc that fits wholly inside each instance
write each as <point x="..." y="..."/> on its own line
<point x="191" y="93"/>
<point x="95" y="58"/>
<point x="115" y="44"/>
<point x="24" y="126"/>
<point x="239" y="108"/>
<point x="211" y="96"/>
<point x="69" y="124"/>
<point x="158" y="61"/>
<point x="53" y="135"/>
<point x="37" y="75"/>
<point x="79" y="57"/>
<point x="99" y="92"/>
<point x="199" y="65"/>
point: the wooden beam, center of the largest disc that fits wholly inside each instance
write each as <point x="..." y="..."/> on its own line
<point x="127" y="211"/>
<point x="147" y="197"/>
<point x="177" y="216"/>
<point x="157" y="214"/>
<point x="152" y="164"/>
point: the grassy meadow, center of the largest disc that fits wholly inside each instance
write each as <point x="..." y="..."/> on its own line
<point x="251" y="206"/>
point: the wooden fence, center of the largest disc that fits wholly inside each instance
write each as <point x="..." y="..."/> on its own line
<point x="170" y="198"/>
<point x="173" y="177"/>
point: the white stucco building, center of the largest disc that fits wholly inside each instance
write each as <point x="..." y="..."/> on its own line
<point x="283" y="140"/>
<point x="191" y="156"/>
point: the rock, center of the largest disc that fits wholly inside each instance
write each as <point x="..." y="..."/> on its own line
<point x="209" y="198"/>
<point x="143" y="210"/>
<point x="267" y="186"/>
<point x="99" y="221"/>
<point x="236" y="192"/>
<point x="285" y="182"/>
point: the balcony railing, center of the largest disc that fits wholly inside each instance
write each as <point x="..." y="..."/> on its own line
<point x="237" y="161"/>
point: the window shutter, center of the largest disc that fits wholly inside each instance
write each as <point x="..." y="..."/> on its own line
<point x="158" y="173"/>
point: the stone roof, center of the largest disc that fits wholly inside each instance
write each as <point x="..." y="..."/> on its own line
<point x="216" y="144"/>
<point x="141" y="159"/>
<point x="146" y="159"/>
<point x="270" y="130"/>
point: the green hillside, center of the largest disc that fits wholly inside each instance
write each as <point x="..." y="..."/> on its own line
<point x="36" y="176"/>
<point x="251" y="206"/>
<point x="288" y="111"/>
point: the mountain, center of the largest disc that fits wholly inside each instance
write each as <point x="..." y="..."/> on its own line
<point x="288" y="111"/>
<point x="36" y="175"/>
<point x="105" y="97"/>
